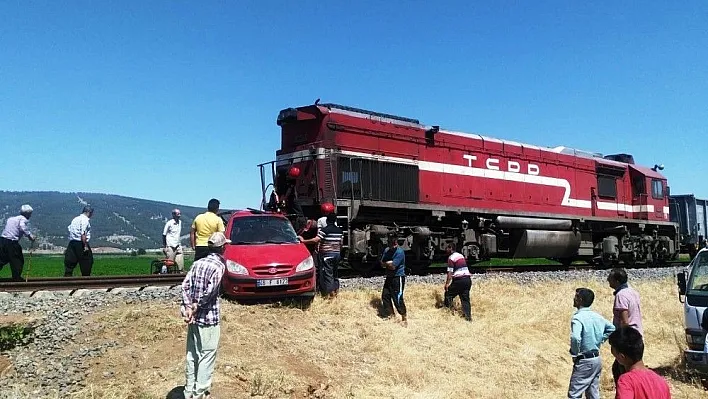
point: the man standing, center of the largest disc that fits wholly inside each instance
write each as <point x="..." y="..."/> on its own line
<point x="459" y="281"/>
<point x="78" y="250"/>
<point x="329" y="250"/>
<point x="203" y="226"/>
<point x="626" y="310"/>
<point x="10" y="248"/>
<point x="588" y="330"/>
<point x="171" y="240"/>
<point x="201" y="311"/>
<point x="394" y="260"/>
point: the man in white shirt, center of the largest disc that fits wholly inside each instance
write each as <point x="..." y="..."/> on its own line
<point x="10" y="248"/>
<point x="459" y="281"/>
<point x="171" y="242"/>
<point x="78" y="250"/>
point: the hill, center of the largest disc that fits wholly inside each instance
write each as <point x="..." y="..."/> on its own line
<point x="117" y="222"/>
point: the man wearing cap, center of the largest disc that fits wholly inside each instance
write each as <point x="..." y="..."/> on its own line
<point x="10" y="249"/>
<point x="200" y="310"/>
<point x="171" y="241"/>
<point x="78" y="250"/>
<point x="203" y="226"/>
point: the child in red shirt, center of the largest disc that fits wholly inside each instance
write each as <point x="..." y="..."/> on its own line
<point x="638" y="382"/>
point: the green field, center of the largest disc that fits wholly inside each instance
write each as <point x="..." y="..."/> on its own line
<point x="106" y="265"/>
<point x="103" y="265"/>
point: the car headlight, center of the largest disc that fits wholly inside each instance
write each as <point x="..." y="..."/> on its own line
<point x="306" y="264"/>
<point x="235" y="268"/>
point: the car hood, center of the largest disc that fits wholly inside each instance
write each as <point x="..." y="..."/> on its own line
<point x="266" y="254"/>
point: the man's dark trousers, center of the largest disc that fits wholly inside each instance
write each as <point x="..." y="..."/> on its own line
<point x="75" y="254"/>
<point x="11" y="252"/>
<point x="460" y="286"/>
<point x="393" y="291"/>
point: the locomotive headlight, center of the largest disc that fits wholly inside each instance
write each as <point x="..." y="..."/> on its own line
<point x="235" y="268"/>
<point x="306" y="264"/>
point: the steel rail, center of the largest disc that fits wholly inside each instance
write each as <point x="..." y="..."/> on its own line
<point x="375" y="272"/>
<point x="90" y="282"/>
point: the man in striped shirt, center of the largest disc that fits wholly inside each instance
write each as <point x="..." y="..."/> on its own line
<point x="10" y="248"/>
<point x="458" y="281"/>
<point x="329" y="240"/>
<point x="201" y="311"/>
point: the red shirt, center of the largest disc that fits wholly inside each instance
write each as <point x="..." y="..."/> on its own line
<point x="642" y="384"/>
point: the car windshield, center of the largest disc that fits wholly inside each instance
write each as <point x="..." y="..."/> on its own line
<point x="699" y="274"/>
<point x="262" y="230"/>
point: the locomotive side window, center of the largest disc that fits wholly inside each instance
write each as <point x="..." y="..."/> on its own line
<point x="606" y="186"/>
<point x="657" y="189"/>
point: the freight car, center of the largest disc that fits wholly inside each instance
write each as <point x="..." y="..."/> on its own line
<point x="691" y="214"/>
<point x="492" y="198"/>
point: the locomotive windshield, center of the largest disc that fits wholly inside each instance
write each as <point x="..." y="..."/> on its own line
<point x="698" y="284"/>
<point x="251" y="230"/>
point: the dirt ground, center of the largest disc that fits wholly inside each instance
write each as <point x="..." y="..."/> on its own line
<point x="516" y="346"/>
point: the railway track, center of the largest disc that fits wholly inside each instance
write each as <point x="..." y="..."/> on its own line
<point x="160" y="280"/>
<point x="348" y="273"/>
<point x="90" y="282"/>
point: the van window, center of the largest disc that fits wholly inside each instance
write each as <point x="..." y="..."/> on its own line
<point x="699" y="274"/>
<point x="657" y="189"/>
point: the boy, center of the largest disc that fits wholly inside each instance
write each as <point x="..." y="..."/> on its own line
<point x="638" y="382"/>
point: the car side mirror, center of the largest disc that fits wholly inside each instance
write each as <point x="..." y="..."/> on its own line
<point x="681" y="282"/>
<point x="668" y="192"/>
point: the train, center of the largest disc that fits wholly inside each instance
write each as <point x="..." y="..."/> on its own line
<point x="691" y="215"/>
<point x="490" y="198"/>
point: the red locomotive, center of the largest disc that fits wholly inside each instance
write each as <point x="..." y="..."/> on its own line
<point x="491" y="197"/>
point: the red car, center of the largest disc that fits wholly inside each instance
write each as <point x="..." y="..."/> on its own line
<point x="265" y="258"/>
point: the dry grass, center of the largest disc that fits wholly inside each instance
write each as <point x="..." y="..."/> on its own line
<point x="516" y="347"/>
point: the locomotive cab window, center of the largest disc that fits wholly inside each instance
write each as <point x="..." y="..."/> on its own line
<point x="638" y="186"/>
<point x="607" y="186"/>
<point x="657" y="189"/>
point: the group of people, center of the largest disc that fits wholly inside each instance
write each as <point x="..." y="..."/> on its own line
<point x="201" y="286"/>
<point x="78" y="251"/>
<point x="589" y="330"/>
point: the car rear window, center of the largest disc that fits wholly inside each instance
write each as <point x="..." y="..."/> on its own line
<point x="262" y="230"/>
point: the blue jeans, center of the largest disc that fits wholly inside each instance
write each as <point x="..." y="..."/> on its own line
<point x="328" y="276"/>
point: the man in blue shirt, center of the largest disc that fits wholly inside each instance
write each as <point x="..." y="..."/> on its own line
<point x="394" y="261"/>
<point x="588" y="330"/>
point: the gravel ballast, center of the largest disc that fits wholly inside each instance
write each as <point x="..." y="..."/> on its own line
<point x="42" y="369"/>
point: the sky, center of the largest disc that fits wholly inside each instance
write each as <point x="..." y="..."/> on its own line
<point x="177" y="100"/>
